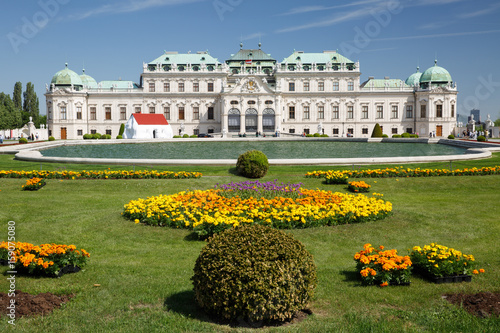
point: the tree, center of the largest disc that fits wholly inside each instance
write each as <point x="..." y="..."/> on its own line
<point x="30" y="106"/>
<point x="497" y="122"/>
<point x="17" y="96"/>
<point x="377" y="131"/>
<point x="10" y="116"/>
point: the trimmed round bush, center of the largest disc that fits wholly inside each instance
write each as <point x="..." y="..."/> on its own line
<point x="316" y="135"/>
<point x="396" y="136"/>
<point x="413" y="135"/>
<point x="87" y="136"/>
<point x="377" y="131"/>
<point x="324" y="135"/>
<point x="193" y="136"/>
<point x="119" y="137"/>
<point x="51" y="138"/>
<point x="252" y="164"/>
<point x="23" y="140"/>
<point x="451" y="137"/>
<point x="96" y="136"/>
<point x="185" y="136"/>
<point x="254" y="273"/>
<point x="385" y="136"/>
<point x="405" y="135"/>
<point x="481" y="138"/>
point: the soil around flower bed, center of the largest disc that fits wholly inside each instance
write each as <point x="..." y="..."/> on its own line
<point x="482" y="305"/>
<point x="30" y="305"/>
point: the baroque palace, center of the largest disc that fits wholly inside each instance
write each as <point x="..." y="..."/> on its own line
<point x="253" y="93"/>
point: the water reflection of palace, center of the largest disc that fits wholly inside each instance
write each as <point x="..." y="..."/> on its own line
<point x="253" y="93"/>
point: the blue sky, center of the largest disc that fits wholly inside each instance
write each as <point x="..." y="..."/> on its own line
<point x="112" y="39"/>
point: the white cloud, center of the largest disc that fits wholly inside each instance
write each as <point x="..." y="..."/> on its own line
<point x="308" y="9"/>
<point x="129" y="7"/>
<point x="253" y="36"/>
<point x="492" y="8"/>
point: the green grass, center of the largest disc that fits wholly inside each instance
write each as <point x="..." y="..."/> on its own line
<point x="145" y="272"/>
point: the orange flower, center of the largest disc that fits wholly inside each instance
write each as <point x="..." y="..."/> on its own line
<point x="481" y="270"/>
<point x="384" y="284"/>
<point x="475" y="271"/>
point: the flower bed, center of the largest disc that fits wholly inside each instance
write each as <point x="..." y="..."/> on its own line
<point x="407" y="172"/>
<point x="34" y="184"/>
<point x="336" y="177"/>
<point x="439" y="263"/>
<point x="45" y="259"/>
<point x="107" y="174"/>
<point x="377" y="266"/>
<point x="211" y="211"/>
<point x="358" y="187"/>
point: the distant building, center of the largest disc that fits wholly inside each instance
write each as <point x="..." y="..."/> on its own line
<point x="477" y="116"/>
<point x="251" y="92"/>
<point x="147" y="126"/>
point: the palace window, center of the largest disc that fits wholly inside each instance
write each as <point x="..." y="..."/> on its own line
<point x="335" y="112"/>
<point x="166" y="87"/>
<point x="423" y="111"/>
<point x="335" y="86"/>
<point x="123" y="113"/>
<point x="306" y="86"/>
<point x="335" y="131"/>
<point x="306" y="112"/>
<point x="251" y="102"/>
<point x="93" y="113"/>
<point x="306" y="131"/>
<point x="439" y="111"/>
<point x="152" y="109"/>
<point x="137" y="109"/>
<point x="196" y="131"/>
<point x="394" y="131"/>
<point x="181" y="113"/>
<point x="151" y="87"/>
<point x="268" y="102"/>
<point x="210" y="86"/>
<point x="107" y="112"/>
<point x="49" y="111"/>
<point x="78" y="112"/>
<point x="394" y="111"/>
<point x="453" y="110"/>
<point x="409" y="111"/>
<point x="364" y="112"/>
<point x="364" y="131"/>
<point x="93" y="131"/>
<point x="108" y="132"/>
<point x="181" y="86"/>
<point x="196" y="87"/>
<point x="79" y="132"/>
<point x="234" y="102"/>
<point x="210" y="113"/>
<point x="166" y="112"/>
<point x="350" y="131"/>
<point x="321" y="86"/>
<point x="291" y="86"/>
<point x="196" y="113"/>
<point x="350" y="86"/>
<point x="63" y="113"/>
<point x="321" y="112"/>
<point x="350" y="112"/>
<point x="380" y="111"/>
<point x="291" y="112"/>
<point x="291" y="130"/>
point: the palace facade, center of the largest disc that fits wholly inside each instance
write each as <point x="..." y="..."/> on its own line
<point x="252" y="93"/>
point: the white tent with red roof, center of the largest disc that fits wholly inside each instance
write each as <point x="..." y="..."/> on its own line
<point x="147" y="126"/>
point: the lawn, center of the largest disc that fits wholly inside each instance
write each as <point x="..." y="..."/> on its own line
<point x="144" y="272"/>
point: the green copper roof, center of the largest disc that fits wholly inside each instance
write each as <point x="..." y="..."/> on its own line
<point x="382" y="83"/>
<point x="435" y="74"/>
<point x="318" y="58"/>
<point x="251" y="54"/>
<point x="66" y="77"/>
<point x="414" y="79"/>
<point x="169" y="58"/>
<point x="88" y="81"/>
<point x="118" y="84"/>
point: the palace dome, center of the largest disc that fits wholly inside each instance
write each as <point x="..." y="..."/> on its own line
<point x="414" y="79"/>
<point x="88" y="81"/>
<point x="435" y="75"/>
<point x="66" y="77"/>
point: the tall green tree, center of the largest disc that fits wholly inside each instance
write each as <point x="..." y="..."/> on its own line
<point x="17" y="97"/>
<point x="30" y="105"/>
<point x="10" y="116"/>
<point x="497" y="122"/>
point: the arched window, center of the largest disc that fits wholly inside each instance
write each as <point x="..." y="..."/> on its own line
<point x="233" y="120"/>
<point x="268" y="120"/>
<point x="251" y="116"/>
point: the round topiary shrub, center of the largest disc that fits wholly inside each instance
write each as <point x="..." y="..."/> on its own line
<point x="23" y="140"/>
<point x="177" y="136"/>
<point x="51" y="138"/>
<point x="252" y="164"/>
<point x="396" y="135"/>
<point x="377" y="131"/>
<point x="87" y="136"/>
<point x="96" y="136"/>
<point x="185" y="136"/>
<point x="481" y="138"/>
<point x="119" y="137"/>
<point x="385" y="136"/>
<point x="413" y="135"/>
<point x="254" y="273"/>
<point x="451" y="137"/>
<point x="405" y="135"/>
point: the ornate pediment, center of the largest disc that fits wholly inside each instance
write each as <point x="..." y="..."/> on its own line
<point x="250" y="85"/>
